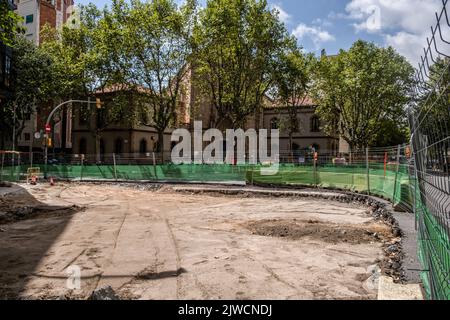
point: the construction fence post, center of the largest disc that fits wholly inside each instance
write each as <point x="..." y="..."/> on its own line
<point x="3" y="162"/>
<point x="154" y="164"/>
<point x="368" y="171"/>
<point x="18" y="168"/>
<point x="315" y="168"/>
<point x="115" y="167"/>
<point x="397" y="172"/>
<point x="82" y="164"/>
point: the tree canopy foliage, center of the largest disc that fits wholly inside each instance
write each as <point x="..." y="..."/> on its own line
<point x="360" y="89"/>
<point x="238" y="48"/>
<point x="292" y="87"/>
<point x="9" y="24"/>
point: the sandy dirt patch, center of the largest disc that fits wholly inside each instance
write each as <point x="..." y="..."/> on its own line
<point x="165" y="245"/>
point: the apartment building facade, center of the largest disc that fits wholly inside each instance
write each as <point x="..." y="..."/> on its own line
<point x="36" y="14"/>
<point x="5" y="74"/>
<point x="5" y="64"/>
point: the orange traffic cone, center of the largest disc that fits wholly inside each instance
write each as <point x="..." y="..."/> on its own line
<point x="52" y="183"/>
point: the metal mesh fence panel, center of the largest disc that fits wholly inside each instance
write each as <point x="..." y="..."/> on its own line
<point x="430" y="123"/>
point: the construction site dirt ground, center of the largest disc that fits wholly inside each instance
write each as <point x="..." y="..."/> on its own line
<point x="160" y="244"/>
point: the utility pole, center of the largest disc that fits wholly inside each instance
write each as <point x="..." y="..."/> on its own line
<point x="47" y="124"/>
<point x="14" y="133"/>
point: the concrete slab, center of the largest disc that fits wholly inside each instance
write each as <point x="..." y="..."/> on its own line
<point x="388" y="290"/>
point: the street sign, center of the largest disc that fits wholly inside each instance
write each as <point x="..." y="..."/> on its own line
<point x="37" y="135"/>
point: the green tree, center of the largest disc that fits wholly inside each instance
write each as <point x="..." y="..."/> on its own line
<point x="160" y="50"/>
<point x="359" y="89"/>
<point x="33" y="82"/>
<point x="292" y="86"/>
<point x="92" y="58"/>
<point x="392" y="132"/>
<point x="9" y="24"/>
<point x="238" y="47"/>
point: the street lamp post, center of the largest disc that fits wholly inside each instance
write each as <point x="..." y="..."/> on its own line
<point x="47" y="124"/>
<point x="14" y="133"/>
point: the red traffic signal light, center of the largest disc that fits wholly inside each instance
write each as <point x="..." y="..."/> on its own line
<point x="48" y="128"/>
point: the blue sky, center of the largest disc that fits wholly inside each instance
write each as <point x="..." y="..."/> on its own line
<point x="336" y="24"/>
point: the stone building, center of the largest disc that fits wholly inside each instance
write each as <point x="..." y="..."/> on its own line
<point x="310" y="134"/>
<point x="138" y="139"/>
<point x="130" y="134"/>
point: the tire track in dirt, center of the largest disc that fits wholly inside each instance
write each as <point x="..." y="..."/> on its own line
<point x="204" y="291"/>
<point x="90" y="204"/>
<point x="177" y="251"/>
<point x="116" y="240"/>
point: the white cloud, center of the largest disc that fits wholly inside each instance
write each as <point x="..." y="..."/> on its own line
<point x="316" y="34"/>
<point x="322" y="22"/>
<point x="409" y="45"/>
<point x="282" y="14"/>
<point x="404" y="24"/>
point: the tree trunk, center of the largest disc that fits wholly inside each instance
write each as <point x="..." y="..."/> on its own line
<point x="351" y="147"/>
<point x="160" y="144"/>
<point x="97" y="148"/>
<point x="291" y="153"/>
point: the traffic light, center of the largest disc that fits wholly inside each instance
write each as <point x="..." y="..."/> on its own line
<point x="98" y="103"/>
<point x="49" y="142"/>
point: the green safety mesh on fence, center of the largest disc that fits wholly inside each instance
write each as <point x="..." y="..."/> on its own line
<point x="390" y="185"/>
<point x="175" y="173"/>
<point x="433" y="251"/>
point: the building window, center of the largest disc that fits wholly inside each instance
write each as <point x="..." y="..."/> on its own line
<point x="27" y="136"/>
<point x="118" y="146"/>
<point x="83" y="146"/>
<point x="143" y="146"/>
<point x="29" y="19"/>
<point x="274" y="124"/>
<point x="315" y="124"/>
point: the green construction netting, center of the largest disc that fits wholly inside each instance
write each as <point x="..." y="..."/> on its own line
<point x="433" y="252"/>
<point x="388" y="184"/>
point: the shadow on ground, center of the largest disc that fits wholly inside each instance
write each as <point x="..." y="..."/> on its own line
<point x="23" y="242"/>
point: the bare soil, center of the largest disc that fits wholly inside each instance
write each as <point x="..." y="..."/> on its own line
<point x="22" y="206"/>
<point x="317" y="230"/>
<point x="165" y="245"/>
